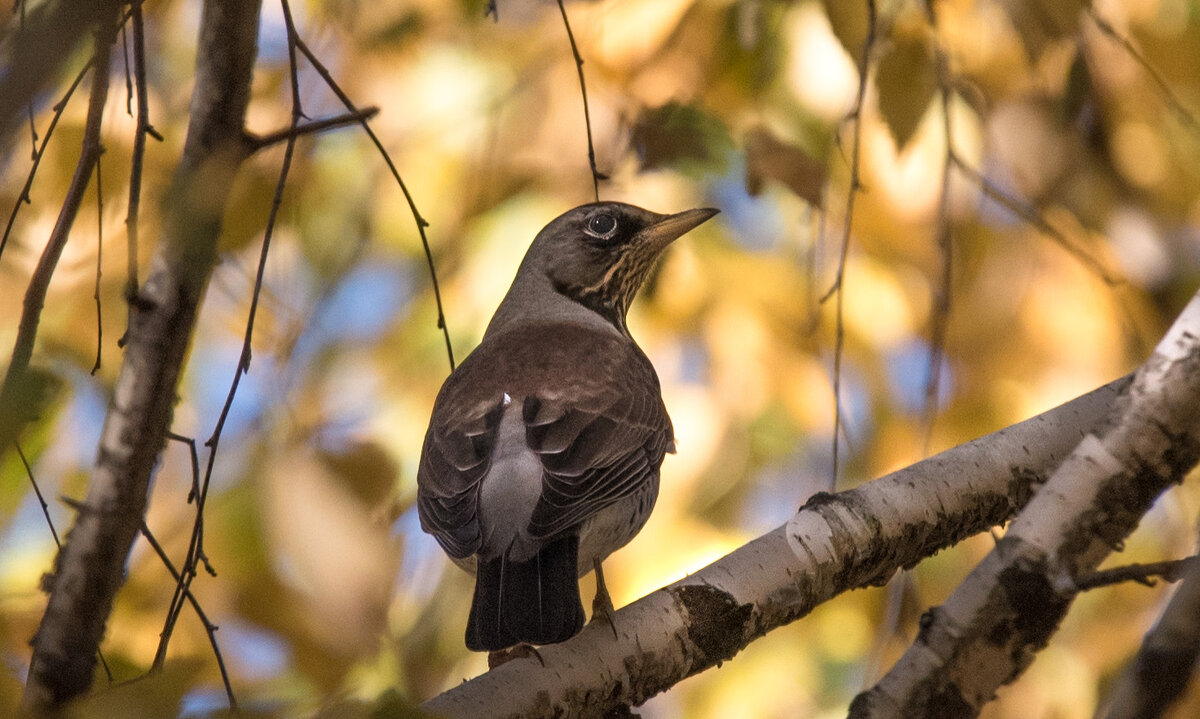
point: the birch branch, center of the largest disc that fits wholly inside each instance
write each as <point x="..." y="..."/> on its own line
<point x="835" y="543"/>
<point x="90" y="569"/>
<point x="990" y="628"/>
<point x="1160" y="672"/>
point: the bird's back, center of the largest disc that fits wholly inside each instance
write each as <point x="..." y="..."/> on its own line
<point x="584" y="403"/>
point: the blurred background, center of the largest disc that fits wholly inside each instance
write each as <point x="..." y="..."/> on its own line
<point x="327" y="591"/>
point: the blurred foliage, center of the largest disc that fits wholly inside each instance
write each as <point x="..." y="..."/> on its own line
<point x="326" y="592"/>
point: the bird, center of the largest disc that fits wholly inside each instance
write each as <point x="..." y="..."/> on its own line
<point x="544" y="445"/>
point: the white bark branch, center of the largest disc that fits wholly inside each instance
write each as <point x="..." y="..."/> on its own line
<point x="1007" y="609"/>
<point x="833" y="544"/>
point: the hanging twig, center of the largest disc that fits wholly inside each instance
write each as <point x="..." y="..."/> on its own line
<point x="940" y="310"/>
<point x="190" y="562"/>
<point x="1031" y="216"/>
<point x="91" y="566"/>
<point x="412" y="205"/>
<point x="1181" y="113"/>
<point x="39" y="153"/>
<point x="99" y="264"/>
<point x="838" y="288"/>
<point x="39" y="283"/>
<point x="38" y="491"/>
<point x="587" y="116"/>
<point x="196" y="544"/>
<point x="209" y="627"/>
<point x="137" y="160"/>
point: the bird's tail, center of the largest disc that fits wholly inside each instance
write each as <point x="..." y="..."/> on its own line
<point x="534" y="601"/>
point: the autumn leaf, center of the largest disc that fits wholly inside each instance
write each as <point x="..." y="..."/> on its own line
<point x="907" y="81"/>
<point x="677" y="135"/>
<point x="770" y="158"/>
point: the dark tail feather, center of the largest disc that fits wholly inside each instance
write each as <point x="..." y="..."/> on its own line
<point x="535" y="601"/>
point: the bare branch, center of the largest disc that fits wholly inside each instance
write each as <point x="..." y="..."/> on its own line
<point x="91" y="566"/>
<point x="1160" y="672"/>
<point x="839" y="284"/>
<point x="412" y="205"/>
<point x="99" y="265"/>
<point x="836" y="542"/>
<point x="260" y="142"/>
<point x="196" y="552"/>
<point x="209" y="627"/>
<point x="138" y="157"/>
<point x="1035" y="218"/>
<point x="989" y="630"/>
<point x="587" y="115"/>
<point x="39" y="153"/>
<point x="14" y="414"/>
<point x="1181" y="113"/>
<point x="38" y="491"/>
<point x="1171" y="571"/>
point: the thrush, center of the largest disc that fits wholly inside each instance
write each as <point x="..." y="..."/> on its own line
<point x="543" y="451"/>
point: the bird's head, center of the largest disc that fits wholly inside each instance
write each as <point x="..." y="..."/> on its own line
<point x="599" y="254"/>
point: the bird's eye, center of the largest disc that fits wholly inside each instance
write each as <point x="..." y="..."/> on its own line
<point x="602" y="226"/>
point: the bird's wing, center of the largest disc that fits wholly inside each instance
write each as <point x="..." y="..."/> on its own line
<point x="593" y="413"/>
<point x="599" y="442"/>
<point x="454" y="460"/>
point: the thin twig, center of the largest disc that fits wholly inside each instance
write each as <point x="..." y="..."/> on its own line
<point x="1169" y="571"/>
<point x="39" y="153"/>
<point x="137" y="160"/>
<point x="1185" y="117"/>
<point x="209" y="627"/>
<point x="183" y="581"/>
<point x="128" y="72"/>
<point x="1035" y="218"/>
<point x="839" y="288"/>
<point x="195" y="549"/>
<point x="38" y="491"/>
<point x="412" y="205"/>
<point x="259" y="142"/>
<point x="39" y="283"/>
<point x="587" y="117"/>
<point x="99" y="263"/>
<point x="940" y="310"/>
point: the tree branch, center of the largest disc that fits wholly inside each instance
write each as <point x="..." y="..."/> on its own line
<point x="1160" y="672"/>
<point x="1172" y="571"/>
<point x="90" y="568"/>
<point x="988" y="631"/>
<point x="835" y="543"/>
<point x="16" y="407"/>
<point x="259" y="142"/>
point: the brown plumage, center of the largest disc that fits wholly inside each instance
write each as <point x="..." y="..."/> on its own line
<point x="543" y="452"/>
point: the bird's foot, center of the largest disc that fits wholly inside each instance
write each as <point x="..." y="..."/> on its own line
<point x="518" y="651"/>
<point x="602" y="605"/>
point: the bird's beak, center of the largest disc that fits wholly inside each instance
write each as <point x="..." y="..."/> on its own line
<point x="671" y="227"/>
